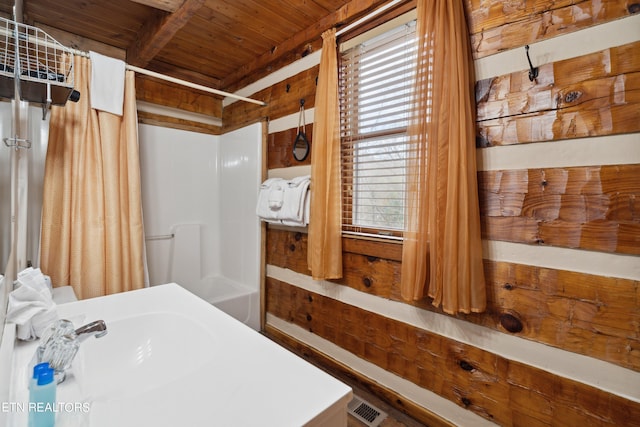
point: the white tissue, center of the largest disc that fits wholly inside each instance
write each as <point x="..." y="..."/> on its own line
<point x="31" y="305"/>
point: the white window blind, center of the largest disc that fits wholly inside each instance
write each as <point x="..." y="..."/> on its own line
<point x="376" y="78"/>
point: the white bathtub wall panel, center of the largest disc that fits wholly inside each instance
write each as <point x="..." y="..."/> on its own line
<point x="203" y="189"/>
<point x="178" y="171"/>
<point x="186" y="255"/>
<point x="240" y="173"/>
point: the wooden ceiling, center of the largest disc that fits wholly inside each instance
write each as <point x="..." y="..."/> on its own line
<point x="224" y="44"/>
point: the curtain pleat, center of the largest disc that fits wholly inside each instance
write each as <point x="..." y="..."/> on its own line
<point x="92" y="235"/>
<point x="442" y="252"/>
<point x="324" y="255"/>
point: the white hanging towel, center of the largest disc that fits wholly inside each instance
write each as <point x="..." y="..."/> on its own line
<point x="107" y="83"/>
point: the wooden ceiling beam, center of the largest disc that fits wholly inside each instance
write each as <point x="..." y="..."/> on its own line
<point x="166" y="5"/>
<point x="158" y="31"/>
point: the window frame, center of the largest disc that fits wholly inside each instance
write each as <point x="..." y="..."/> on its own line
<point x="347" y="173"/>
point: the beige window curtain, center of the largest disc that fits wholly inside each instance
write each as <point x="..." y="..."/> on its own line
<point x="324" y="255"/>
<point x="92" y="233"/>
<point x="442" y="253"/>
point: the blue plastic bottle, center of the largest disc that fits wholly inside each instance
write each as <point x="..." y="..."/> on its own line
<point x="42" y="400"/>
<point x="34" y="378"/>
<point x="33" y="382"/>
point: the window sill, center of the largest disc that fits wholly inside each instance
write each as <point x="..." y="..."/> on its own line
<point x="373" y="246"/>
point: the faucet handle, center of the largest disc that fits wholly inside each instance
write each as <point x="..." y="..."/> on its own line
<point x="60" y="352"/>
<point x="55" y="330"/>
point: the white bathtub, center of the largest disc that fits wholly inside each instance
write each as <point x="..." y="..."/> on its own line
<point x="235" y="299"/>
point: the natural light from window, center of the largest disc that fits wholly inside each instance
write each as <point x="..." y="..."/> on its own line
<point x="376" y="80"/>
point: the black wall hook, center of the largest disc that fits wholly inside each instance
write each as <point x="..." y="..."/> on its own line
<point x="533" y="71"/>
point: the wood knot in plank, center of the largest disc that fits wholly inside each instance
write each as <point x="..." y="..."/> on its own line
<point x="508" y="286"/>
<point x="292" y="247"/>
<point x="466" y="365"/>
<point x="367" y="282"/>
<point x="633" y="8"/>
<point x="298" y="236"/>
<point x="572" y="96"/>
<point x="466" y="402"/>
<point x="482" y="141"/>
<point x="372" y="258"/>
<point x="307" y="50"/>
<point x="483" y="88"/>
<point x="511" y="323"/>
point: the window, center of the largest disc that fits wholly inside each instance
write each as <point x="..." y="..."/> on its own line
<point x="376" y="76"/>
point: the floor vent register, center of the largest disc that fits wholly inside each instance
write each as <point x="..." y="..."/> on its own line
<point x="365" y="412"/>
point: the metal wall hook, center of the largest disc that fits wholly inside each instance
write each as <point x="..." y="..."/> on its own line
<point x="533" y="71"/>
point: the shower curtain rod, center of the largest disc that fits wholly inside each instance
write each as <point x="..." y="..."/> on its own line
<point x="179" y="81"/>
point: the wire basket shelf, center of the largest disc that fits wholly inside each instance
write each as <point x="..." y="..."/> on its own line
<point x="43" y="66"/>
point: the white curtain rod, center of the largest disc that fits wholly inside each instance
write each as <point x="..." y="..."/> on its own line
<point x="179" y="81"/>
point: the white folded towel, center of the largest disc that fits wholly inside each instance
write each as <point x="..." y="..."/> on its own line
<point x="31" y="305"/>
<point x="107" y="83"/>
<point x="276" y="196"/>
<point x="284" y="201"/>
<point x="263" y="208"/>
<point x="295" y="193"/>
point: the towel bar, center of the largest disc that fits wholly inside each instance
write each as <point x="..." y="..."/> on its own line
<point x="161" y="237"/>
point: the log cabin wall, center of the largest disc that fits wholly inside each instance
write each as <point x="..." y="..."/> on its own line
<point x="559" y="180"/>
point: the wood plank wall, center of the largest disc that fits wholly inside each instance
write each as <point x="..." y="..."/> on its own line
<point x="586" y="211"/>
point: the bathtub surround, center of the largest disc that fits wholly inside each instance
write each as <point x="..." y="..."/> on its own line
<point x="199" y="196"/>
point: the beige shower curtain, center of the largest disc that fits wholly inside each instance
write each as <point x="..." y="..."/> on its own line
<point x="92" y="232"/>
<point x="442" y="253"/>
<point x="324" y="255"/>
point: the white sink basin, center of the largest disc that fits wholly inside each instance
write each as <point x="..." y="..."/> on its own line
<point x="142" y="353"/>
<point x="171" y="359"/>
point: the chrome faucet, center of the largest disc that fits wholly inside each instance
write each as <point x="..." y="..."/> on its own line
<point x="97" y="328"/>
<point x="61" y="343"/>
